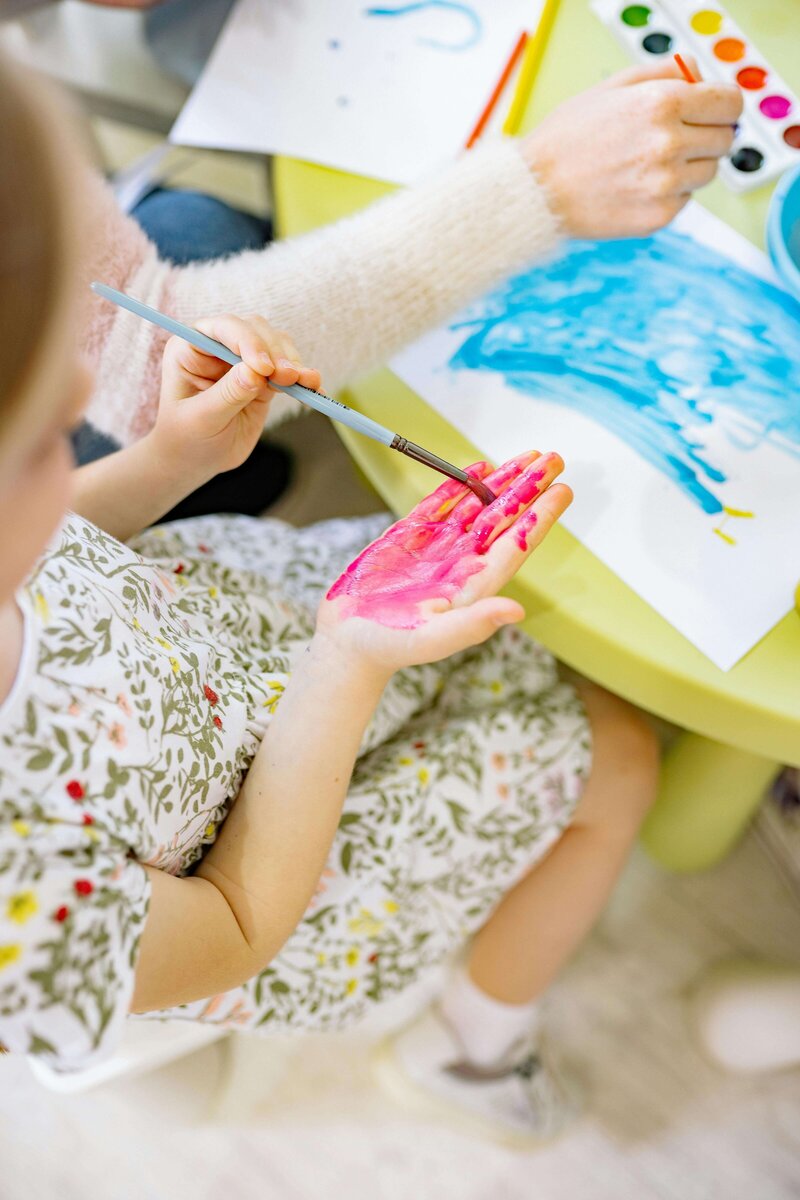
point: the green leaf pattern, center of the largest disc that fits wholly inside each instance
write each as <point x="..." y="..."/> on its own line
<point x="156" y="670"/>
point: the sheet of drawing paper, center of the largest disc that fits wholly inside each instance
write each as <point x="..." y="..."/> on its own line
<point x="386" y="89"/>
<point x="666" y="371"/>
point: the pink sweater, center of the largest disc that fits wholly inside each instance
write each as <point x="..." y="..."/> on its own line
<point x="351" y="294"/>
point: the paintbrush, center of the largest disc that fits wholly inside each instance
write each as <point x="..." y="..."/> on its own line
<point x="316" y="400"/>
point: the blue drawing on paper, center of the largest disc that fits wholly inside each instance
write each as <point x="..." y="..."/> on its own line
<point x="658" y="339"/>
<point x="471" y="36"/>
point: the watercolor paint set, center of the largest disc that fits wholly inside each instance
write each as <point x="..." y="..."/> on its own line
<point x="768" y="134"/>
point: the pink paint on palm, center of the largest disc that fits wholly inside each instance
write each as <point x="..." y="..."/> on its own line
<point x="433" y="552"/>
<point x="416" y="560"/>
<point x="501" y="514"/>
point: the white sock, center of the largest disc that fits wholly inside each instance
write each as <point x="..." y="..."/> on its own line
<point x="485" y="1027"/>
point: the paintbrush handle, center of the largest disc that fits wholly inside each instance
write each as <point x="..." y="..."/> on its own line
<point x="316" y="400"/>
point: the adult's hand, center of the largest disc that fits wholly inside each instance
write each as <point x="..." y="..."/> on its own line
<point x="622" y="158"/>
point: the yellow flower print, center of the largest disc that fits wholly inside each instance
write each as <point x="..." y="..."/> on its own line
<point x="41" y="608"/>
<point x="365" y="925"/>
<point x="176" y="666"/>
<point x="162" y="642"/>
<point x="352" y="984"/>
<point x="277" y="690"/>
<point x="391" y="906"/>
<point x="423" y="775"/>
<point x="91" y="834"/>
<point x="496" y="686"/>
<point x="136" y="624"/>
<point x="213" y="593"/>
<point x="352" y="956"/>
<point x="322" y="959"/>
<point x="21" y="907"/>
<point x="21" y="828"/>
<point x="405" y="761"/>
<point x="210" y="829"/>
<point x="9" y="954"/>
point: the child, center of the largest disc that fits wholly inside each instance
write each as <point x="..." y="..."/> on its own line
<point x="212" y="806"/>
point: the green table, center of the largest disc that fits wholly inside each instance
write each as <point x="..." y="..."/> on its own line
<point x="739" y="724"/>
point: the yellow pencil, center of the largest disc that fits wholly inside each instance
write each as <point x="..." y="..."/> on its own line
<point x="530" y="65"/>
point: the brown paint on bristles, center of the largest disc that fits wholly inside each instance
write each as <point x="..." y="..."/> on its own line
<point x="479" y="488"/>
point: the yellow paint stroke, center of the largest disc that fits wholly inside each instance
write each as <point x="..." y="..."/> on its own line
<point x="730" y="512"/>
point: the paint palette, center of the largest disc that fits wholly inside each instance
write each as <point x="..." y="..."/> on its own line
<point x="768" y="134"/>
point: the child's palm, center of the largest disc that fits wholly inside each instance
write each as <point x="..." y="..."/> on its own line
<point x="428" y="587"/>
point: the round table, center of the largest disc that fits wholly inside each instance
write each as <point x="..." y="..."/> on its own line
<point x="738" y="724"/>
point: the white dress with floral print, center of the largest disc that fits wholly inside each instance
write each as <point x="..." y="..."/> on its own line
<point x="147" y="680"/>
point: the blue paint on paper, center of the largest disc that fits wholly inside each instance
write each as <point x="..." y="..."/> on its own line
<point x="658" y="339"/>
<point x="464" y="10"/>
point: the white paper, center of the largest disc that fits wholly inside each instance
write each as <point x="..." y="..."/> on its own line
<point x="390" y="94"/>
<point x="743" y="424"/>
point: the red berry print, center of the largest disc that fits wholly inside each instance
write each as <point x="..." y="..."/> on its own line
<point x="75" y="790"/>
<point x="178" y="570"/>
<point x="203" y="548"/>
<point x="218" y="722"/>
<point x="210" y="695"/>
<point x="61" y="913"/>
<point x="84" y="887"/>
<point x="373" y="958"/>
<point x="418" y="745"/>
<point x="88" y="819"/>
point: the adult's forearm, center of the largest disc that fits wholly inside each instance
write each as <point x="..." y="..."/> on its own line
<point x="350" y="294"/>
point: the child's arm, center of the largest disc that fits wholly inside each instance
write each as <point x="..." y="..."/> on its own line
<point x="209" y="419"/>
<point x="218" y="928"/>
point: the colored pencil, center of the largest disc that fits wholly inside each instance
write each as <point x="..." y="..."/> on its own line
<point x="316" y="400"/>
<point x="499" y="88"/>
<point x="534" y="52"/>
<point x="684" y="70"/>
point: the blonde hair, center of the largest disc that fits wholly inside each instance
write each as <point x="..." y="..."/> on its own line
<point x="34" y="250"/>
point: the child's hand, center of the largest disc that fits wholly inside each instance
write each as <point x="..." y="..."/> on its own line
<point x="211" y="414"/>
<point x="427" y="588"/>
<point x="622" y="158"/>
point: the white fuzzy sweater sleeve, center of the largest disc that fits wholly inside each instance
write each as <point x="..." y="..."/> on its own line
<point x="350" y="294"/>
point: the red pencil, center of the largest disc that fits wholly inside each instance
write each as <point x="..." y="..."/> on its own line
<point x="499" y="88"/>
<point x="685" y="72"/>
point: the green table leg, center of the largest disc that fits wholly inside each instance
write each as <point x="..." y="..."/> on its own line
<point x="709" y="792"/>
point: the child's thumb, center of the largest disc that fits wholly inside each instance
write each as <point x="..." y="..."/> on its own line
<point x="236" y="388"/>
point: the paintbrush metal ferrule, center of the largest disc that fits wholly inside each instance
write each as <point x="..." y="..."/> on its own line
<point x="429" y="459"/>
<point x="420" y="454"/>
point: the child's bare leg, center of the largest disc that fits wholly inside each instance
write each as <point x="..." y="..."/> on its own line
<point x="538" y="924"/>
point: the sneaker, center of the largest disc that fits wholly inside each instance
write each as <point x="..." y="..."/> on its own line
<point x="520" y="1101"/>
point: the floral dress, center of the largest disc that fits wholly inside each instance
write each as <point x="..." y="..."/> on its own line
<point x="148" y="677"/>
